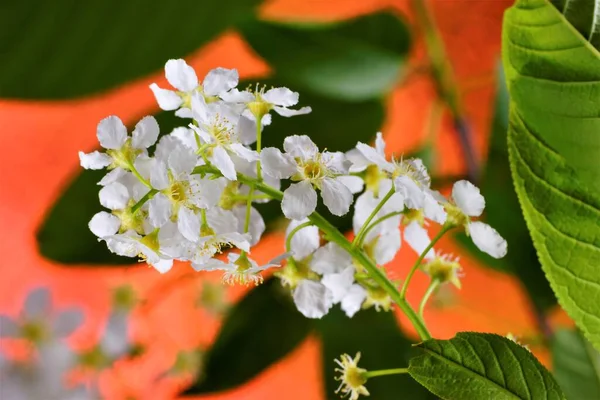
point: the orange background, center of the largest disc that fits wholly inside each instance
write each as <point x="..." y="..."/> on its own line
<point x="38" y="150"/>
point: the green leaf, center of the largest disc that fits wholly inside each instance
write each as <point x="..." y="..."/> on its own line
<point x="64" y="235"/>
<point x="584" y="15"/>
<point x="553" y="76"/>
<point x="482" y="366"/>
<point x="355" y="60"/>
<point x="576" y="365"/>
<point x="382" y="345"/>
<point x="64" y="48"/>
<point x="502" y="211"/>
<point x="261" y="329"/>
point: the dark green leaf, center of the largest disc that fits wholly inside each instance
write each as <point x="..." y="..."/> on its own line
<point x="482" y="366"/>
<point x="504" y="213"/>
<point x="584" y="15"/>
<point x="553" y="77"/>
<point x="354" y="60"/>
<point x="576" y="365"/>
<point x="261" y="329"/>
<point x="68" y="48"/>
<point x="382" y="345"/>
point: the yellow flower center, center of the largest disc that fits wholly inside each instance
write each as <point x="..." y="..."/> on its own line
<point x="151" y="241"/>
<point x="177" y="191"/>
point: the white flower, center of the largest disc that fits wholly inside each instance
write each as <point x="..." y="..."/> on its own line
<point x="259" y="103"/>
<point x="418" y="239"/>
<point x="467" y="202"/>
<point x="330" y="259"/>
<point x="121" y="150"/>
<point x="148" y="248"/>
<point x="345" y="291"/>
<point x="305" y="241"/>
<point x="376" y="156"/>
<point x="216" y="132"/>
<point x="352" y="378"/>
<point x="256" y="227"/>
<point x="312" y="298"/>
<point x="241" y="269"/>
<point x="183" y="78"/>
<point x="206" y="239"/>
<point x="304" y="163"/>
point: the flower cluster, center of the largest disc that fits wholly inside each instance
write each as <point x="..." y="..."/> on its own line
<point x="190" y="194"/>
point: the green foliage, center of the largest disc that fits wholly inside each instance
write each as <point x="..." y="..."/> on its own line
<point x="482" y="366"/>
<point x="576" y="365"/>
<point x="354" y="60"/>
<point x="553" y="76"/>
<point x="262" y="328"/>
<point x="72" y="48"/>
<point x="377" y="336"/>
<point x="584" y="15"/>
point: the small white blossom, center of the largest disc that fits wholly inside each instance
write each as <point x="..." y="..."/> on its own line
<point x="241" y="269"/>
<point x="259" y="103"/>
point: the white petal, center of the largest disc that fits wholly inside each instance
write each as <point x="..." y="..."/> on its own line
<point x="239" y="240"/>
<point x="113" y="176"/>
<point x="418" y="239"/>
<point x="246" y="130"/>
<point x="114" y="196"/>
<point x="299" y="200"/>
<point x="94" y="160"/>
<point x="257" y="224"/>
<point x="236" y="96"/>
<point x="104" y="224"/>
<point x="145" y="133"/>
<point x="305" y="240"/>
<point x="300" y="146"/>
<point x="281" y="97"/>
<point x="277" y="164"/>
<point x="67" y="321"/>
<point x="244" y="152"/>
<point x="468" y="198"/>
<point x="353" y="183"/>
<point x="374" y="156"/>
<point x="114" y="342"/>
<point x="8" y="328"/>
<point x="312" y="299"/>
<point x="339" y="283"/>
<point x="159" y="176"/>
<point x="167" y="100"/>
<point x="37" y="304"/>
<point x="182" y="161"/>
<point x="180" y="75"/>
<point x="330" y="259"/>
<point x="206" y="192"/>
<point x="220" y="80"/>
<point x="412" y="193"/>
<point x="221" y="221"/>
<point x="166" y="145"/>
<point x="111" y="133"/>
<point x="184" y="113"/>
<point x="186" y="136"/>
<point x="162" y="265"/>
<point x="188" y="223"/>
<point x="358" y="161"/>
<point x="353" y="300"/>
<point x="433" y="210"/>
<point x="387" y="246"/>
<point x="289" y="112"/>
<point x="159" y="210"/>
<point x="336" y="196"/>
<point x="487" y="239"/>
<point x="223" y="162"/>
<point x="336" y="161"/>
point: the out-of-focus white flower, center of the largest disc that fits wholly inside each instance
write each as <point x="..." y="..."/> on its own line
<point x="183" y="78"/>
<point x="467" y="202"/>
<point x="147" y="248"/>
<point x="121" y="150"/>
<point x="303" y="162"/>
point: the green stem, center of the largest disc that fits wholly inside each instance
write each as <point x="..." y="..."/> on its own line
<point x="288" y="240"/>
<point x="432" y="287"/>
<point x="337" y="237"/>
<point x="248" y="209"/>
<point x="359" y="236"/>
<point x="203" y="216"/>
<point x="374" y="224"/>
<point x="139" y="176"/>
<point x="383" y="372"/>
<point x="414" y="268"/>
<point x="143" y="200"/>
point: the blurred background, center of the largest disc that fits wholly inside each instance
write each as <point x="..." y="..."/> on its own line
<point x="363" y="66"/>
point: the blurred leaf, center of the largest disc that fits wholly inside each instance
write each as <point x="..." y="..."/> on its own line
<point x="553" y="76"/>
<point x="576" y="365"/>
<point x="67" y="48"/>
<point x="377" y="336"/>
<point x="354" y="60"/>
<point x="504" y="213"/>
<point x="482" y="366"/>
<point x="260" y="330"/>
